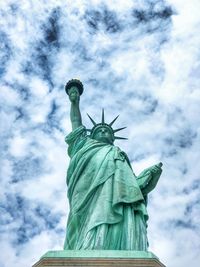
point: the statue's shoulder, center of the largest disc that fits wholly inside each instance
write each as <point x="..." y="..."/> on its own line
<point x="78" y="133"/>
<point x="76" y="140"/>
<point x="120" y="154"/>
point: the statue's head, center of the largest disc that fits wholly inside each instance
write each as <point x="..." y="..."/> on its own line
<point x="104" y="132"/>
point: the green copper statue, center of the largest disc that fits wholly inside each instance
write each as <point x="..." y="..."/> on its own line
<point x="107" y="200"/>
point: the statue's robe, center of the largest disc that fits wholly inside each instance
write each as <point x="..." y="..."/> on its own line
<point x="107" y="208"/>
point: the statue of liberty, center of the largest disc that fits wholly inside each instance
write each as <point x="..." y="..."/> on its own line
<point x="107" y="200"/>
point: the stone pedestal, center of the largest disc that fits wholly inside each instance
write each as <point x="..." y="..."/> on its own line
<point x="100" y="258"/>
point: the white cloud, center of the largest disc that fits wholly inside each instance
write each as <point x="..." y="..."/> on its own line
<point x="19" y="146"/>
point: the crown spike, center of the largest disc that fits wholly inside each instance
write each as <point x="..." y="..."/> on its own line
<point x="94" y="123"/>
<point x="121" y="138"/>
<point x="117" y="130"/>
<point x="102" y="116"/>
<point x="113" y="121"/>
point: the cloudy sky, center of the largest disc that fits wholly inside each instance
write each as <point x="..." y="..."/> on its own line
<point x="136" y="58"/>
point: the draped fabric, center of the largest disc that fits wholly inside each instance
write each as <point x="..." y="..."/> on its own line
<point x="107" y="208"/>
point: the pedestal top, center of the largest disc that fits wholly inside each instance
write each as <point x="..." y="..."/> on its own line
<point x="100" y="258"/>
<point x="99" y="254"/>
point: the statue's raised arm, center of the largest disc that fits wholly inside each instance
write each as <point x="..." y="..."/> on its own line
<point x="74" y="89"/>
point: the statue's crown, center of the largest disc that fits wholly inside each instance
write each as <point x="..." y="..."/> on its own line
<point x="107" y="125"/>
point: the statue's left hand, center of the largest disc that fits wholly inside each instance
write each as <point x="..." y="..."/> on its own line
<point x="156" y="169"/>
<point x="148" y="179"/>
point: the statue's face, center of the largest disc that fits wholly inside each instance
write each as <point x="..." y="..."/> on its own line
<point x="103" y="134"/>
<point x="73" y="93"/>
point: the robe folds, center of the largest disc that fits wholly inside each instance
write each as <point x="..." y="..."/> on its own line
<point x="107" y="208"/>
